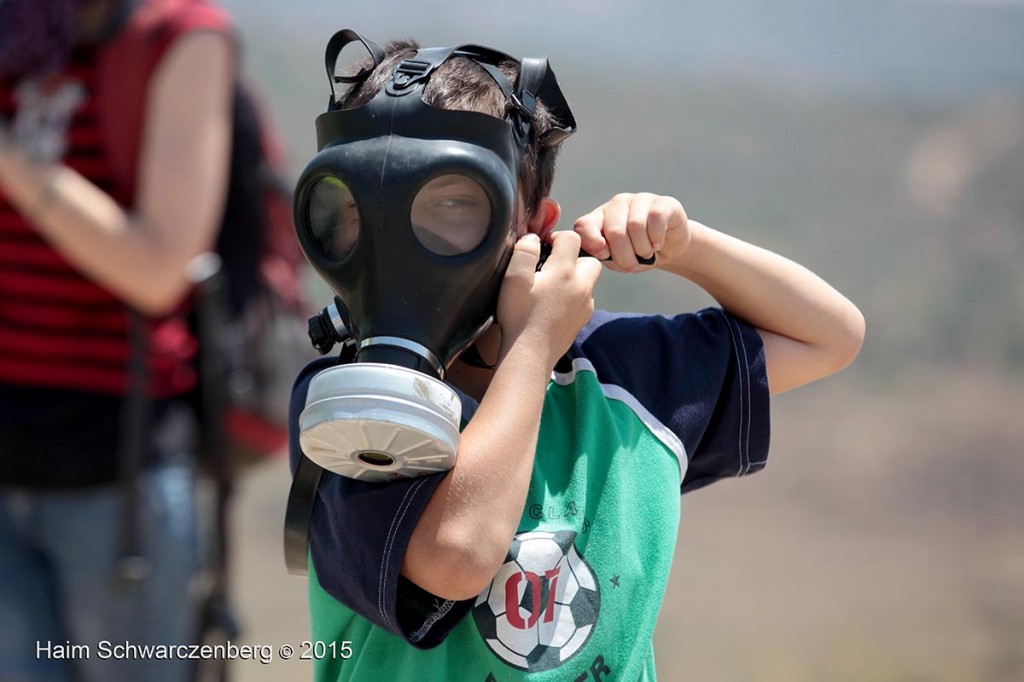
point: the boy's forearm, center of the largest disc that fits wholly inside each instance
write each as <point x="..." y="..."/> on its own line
<point x="465" y="530"/>
<point x="463" y="535"/>
<point x="787" y="302"/>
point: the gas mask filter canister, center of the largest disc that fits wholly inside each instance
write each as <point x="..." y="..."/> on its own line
<point x="409" y="212"/>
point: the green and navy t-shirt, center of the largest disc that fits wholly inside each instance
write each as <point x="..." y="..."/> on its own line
<point x="640" y="409"/>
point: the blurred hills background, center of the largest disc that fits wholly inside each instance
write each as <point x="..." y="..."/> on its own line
<point x="878" y="142"/>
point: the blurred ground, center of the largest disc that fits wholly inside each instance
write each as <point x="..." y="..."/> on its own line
<point x="270" y="603"/>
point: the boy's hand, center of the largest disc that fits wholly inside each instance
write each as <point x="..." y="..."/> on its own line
<point x="547" y="307"/>
<point x="631" y="225"/>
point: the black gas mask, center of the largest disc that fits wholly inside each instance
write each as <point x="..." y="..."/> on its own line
<point x="409" y="212"/>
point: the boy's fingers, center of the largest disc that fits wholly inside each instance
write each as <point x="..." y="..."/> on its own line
<point x="590" y="269"/>
<point x="666" y="213"/>
<point x="616" y="212"/>
<point x="565" y="247"/>
<point x="525" y="257"/>
<point x="588" y="227"/>
<point x="637" y="225"/>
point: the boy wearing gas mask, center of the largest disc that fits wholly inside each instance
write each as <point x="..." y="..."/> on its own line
<point x="536" y="545"/>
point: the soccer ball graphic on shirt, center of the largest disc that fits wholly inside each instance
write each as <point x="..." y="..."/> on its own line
<point x="543" y="604"/>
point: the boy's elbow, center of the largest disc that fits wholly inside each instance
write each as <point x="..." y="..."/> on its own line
<point x="848" y="346"/>
<point x="459" y="582"/>
<point x="455" y="572"/>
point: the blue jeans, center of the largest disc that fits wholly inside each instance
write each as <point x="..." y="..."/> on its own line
<point x="59" y="581"/>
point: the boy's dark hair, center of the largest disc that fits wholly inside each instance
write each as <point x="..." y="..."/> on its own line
<point x="461" y="84"/>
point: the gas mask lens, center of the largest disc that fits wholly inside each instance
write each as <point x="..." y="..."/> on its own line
<point x="451" y="215"/>
<point x="333" y="217"/>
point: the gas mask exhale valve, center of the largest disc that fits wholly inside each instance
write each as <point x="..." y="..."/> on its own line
<point x="409" y="212"/>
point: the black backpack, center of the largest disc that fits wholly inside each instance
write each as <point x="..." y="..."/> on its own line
<point x="249" y="314"/>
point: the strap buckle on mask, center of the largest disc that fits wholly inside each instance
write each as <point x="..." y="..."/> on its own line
<point x="410" y="71"/>
<point x="416" y="69"/>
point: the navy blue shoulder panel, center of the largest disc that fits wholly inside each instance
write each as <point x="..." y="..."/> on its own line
<point x="700" y="374"/>
<point x="358" y="537"/>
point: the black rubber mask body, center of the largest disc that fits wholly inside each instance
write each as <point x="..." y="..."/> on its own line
<point x="389" y="284"/>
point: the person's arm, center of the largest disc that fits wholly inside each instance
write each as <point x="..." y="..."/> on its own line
<point x="463" y="535"/>
<point x="809" y="329"/>
<point x="141" y="254"/>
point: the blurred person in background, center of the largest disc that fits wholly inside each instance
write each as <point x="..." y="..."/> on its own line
<point x="93" y="252"/>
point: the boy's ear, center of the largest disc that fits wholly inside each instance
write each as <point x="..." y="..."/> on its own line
<point x="542" y="221"/>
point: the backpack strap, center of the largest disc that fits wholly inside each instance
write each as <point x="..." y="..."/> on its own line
<point x="136" y="431"/>
<point x="125" y="65"/>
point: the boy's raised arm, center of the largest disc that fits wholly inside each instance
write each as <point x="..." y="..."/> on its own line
<point x="809" y="329"/>
<point x="463" y="535"/>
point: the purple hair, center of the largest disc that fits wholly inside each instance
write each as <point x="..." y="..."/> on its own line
<point x="36" y="36"/>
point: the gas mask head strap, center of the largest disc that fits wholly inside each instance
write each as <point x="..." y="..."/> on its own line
<point x="536" y="81"/>
<point x="335" y="45"/>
